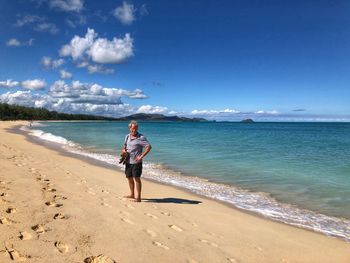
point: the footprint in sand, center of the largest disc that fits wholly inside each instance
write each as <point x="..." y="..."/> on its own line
<point x="2" y="200"/>
<point x="99" y="259"/>
<point x="11" y="210"/>
<point x="151" y="233"/>
<point x="151" y="216"/>
<point x="176" y="228"/>
<point x="209" y="243"/>
<point x="127" y="221"/>
<point x="61" y="247"/>
<point x="105" y="191"/>
<point x="16" y="255"/>
<point x="25" y="235"/>
<point x="159" y="244"/>
<point x="59" y="197"/>
<point x="39" y="229"/>
<point x="33" y="170"/>
<point x="60" y="216"/>
<point x="6" y="221"/>
<point x="53" y="204"/>
<point x="165" y="213"/>
<point x="48" y="189"/>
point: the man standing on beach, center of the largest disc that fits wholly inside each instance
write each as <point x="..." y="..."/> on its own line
<point x="138" y="147"/>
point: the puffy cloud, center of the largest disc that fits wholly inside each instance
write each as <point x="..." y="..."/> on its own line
<point x="47" y="27"/>
<point x="99" y="50"/>
<point x="79" y="45"/>
<point x="115" y="51"/>
<point x="65" y="74"/>
<point x="33" y="84"/>
<point x="152" y="109"/>
<point x="67" y="5"/>
<point x="125" y="13"/>
<point x="48" y="62"/>
<point x="24" y="98"/>
<point x="9" y="83"/>
<point x="13" y="42"/>
<point x="77" y="97"/>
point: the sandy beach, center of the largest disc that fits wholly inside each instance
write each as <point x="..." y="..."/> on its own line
<point x="56" y="208"/>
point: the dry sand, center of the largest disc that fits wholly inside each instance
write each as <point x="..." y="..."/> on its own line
<point x="55" y="208"/>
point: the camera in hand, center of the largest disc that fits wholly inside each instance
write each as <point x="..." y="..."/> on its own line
<point x="123" y="157"/>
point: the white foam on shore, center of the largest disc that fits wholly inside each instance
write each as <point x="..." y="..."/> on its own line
<point x="260" y="203"/>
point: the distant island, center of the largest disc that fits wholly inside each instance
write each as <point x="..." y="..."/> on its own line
<point x="16" y="112"/>
<point x="247" y="121"/>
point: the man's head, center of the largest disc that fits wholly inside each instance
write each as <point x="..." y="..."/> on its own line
<point x="133" y="126"/>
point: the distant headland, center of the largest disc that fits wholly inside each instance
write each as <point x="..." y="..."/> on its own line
<point x="247" y="121"/>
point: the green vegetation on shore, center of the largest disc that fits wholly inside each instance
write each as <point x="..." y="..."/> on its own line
<point x="15" y="112"/>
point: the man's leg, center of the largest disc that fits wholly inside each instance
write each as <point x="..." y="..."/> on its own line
<point x="138" y="189"/>
<point x="131" y="186"/>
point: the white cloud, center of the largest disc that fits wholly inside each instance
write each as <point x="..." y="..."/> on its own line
<point x="67" y="5"/>
<point x="125" y="13"/>
<point x="214" y="112"/>
<point x="33" y="84"/>
<point x="9" y="83"/>
<point x="77" y="97"/>
<point x="28" y="19"/>
<point x="46" y="27"/>
<point x="78" y="45"/>
<point x="13" y="42"/>
<point x="48" y="62"/>
<point x="266" y="112"/>
<point x="79" y="20"/>
<point x="24" y="98"/>
<point x="152" y="109"/>
<point x="116" y="51"/>
<point x="65" y="74"/>
<point x="99" y="69"/>
<point x="40" y="24"/>
<point x="99" y="50"/>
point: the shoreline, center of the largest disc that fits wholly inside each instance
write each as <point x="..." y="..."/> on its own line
<point x="285" y="213"/>
<point x="236" y="235"/>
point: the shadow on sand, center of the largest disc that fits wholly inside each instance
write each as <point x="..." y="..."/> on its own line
<point x="171" y="200"/>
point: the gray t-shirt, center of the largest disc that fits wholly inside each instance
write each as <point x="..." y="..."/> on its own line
<point x="135" y="146"/>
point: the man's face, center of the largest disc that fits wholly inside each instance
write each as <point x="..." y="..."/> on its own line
<point x="133" y="129"/>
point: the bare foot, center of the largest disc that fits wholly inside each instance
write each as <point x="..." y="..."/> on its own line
<point x="138" y="200"/>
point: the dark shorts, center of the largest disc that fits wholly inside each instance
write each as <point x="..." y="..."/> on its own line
<point x="133" y="170"/>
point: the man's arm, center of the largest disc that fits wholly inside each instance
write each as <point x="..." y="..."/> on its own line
<point x="145" y="152"/>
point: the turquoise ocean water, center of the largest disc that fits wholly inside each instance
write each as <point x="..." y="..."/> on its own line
<point x="297" y="173"/>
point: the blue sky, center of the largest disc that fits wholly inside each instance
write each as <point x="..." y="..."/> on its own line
<point x="223" y="60"/>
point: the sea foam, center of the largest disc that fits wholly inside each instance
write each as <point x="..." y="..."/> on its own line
<point x="257" y="202"/>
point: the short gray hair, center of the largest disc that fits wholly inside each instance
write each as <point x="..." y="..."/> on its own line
<point x="133" y="122"/>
